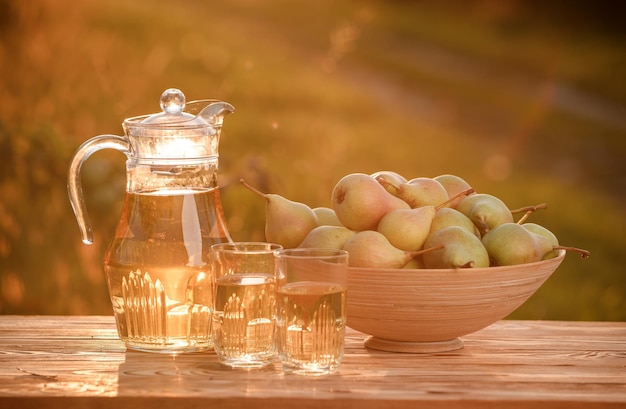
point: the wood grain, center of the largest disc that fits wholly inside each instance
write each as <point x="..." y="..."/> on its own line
<point x="67" y="362"/>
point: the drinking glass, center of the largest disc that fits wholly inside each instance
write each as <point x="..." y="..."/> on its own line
<point x="311" y="309"/>
<point x="244" y="303"/>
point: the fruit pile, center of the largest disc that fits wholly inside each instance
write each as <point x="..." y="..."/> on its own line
<point x="384" y="220"/>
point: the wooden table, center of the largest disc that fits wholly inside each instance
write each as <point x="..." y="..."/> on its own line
<point x="78" y="362"/>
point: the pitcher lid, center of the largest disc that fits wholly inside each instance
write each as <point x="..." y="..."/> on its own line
<point x="173" y="105"/>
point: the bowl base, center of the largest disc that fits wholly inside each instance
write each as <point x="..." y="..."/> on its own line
<point x="413" y="347"/>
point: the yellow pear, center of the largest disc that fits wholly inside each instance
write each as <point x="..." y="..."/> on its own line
<point x="286" y="222"/>
<point x="326" y="216"/>
<point x="447" y="216"/>
<point x="390" y="176"/>
<point x="407" y="229"/>
<point x="454" y="185"/>
<point x="360" y="202"/>
<point x="418" y="192"/>
<point x="370" y="248"/>
<point x="415" y="263"/>
<point x="328" y="237"/>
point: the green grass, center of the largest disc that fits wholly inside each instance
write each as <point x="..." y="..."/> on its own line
<point x="321" y="89"/>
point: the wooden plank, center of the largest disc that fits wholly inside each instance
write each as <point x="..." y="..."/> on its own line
<point x="79" y="361"/>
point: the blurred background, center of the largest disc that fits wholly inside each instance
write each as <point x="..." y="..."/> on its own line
<point x="526" y="100"/>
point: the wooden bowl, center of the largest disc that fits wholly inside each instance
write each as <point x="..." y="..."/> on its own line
<point x="425" y="310"/>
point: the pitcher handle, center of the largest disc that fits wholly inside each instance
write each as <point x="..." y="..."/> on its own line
<point x="74" y="186"/>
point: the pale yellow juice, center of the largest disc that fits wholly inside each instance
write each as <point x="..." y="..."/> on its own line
<point x="311" y="322"/>
<point x="243" y="319"/>
<point x="161" y="308"/>
<point x="158" y="272"/>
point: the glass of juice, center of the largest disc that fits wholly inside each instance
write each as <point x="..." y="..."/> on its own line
<point x="244" y="303"/>
<point x="311" y="309"/>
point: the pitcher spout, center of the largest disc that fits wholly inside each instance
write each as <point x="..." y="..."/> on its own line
<point x="211" y="111"/>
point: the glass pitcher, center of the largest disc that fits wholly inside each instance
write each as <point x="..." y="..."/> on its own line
<point x="157" y="265"/>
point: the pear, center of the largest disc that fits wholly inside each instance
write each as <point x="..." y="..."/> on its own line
<point x="511" y="244"/>
<point x="360" y="202"/>
<point x="414" y="263"/>
<point x="389" y="176"/>
<point x="329" y="237"/>
<point x="549" y="242"/>
<point x="418" y="192"/>
<point x="370" y="248"/>
<point x="286" y="222"/>
<point x="485" y="210"/>
<point x="407" y="229"/>
<point x="447" y="216"/>
<point x="326" y="216"/>
<point x="453" y="185"/>
<point x="462" y="249"/>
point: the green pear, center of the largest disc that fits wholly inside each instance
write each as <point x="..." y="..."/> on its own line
<point x="418" y="192"/>
<point x="549" y="242"/>
<point x="485" y="210"/>
<point x="453" y="185"/>
<point x="370" y="248"/>
<point x="511" y="244"/>
<point x="326" y="216"/>
<point x="286" y="222"/>
<point x="447" y="216"/>
<point x="407" y="229"/>
<point x="462" y="249"/>
<point x="360" y="202"/>
<point x="328" y="237"/>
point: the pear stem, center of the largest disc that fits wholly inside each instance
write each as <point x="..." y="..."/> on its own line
<point x="465" y="192"/>
<point x="528" y="210"/>
<point x="426" y="250"/>
<point x="583" y="253"/>
<point x="253" y="189"/>
<point x="387" y="184"/>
